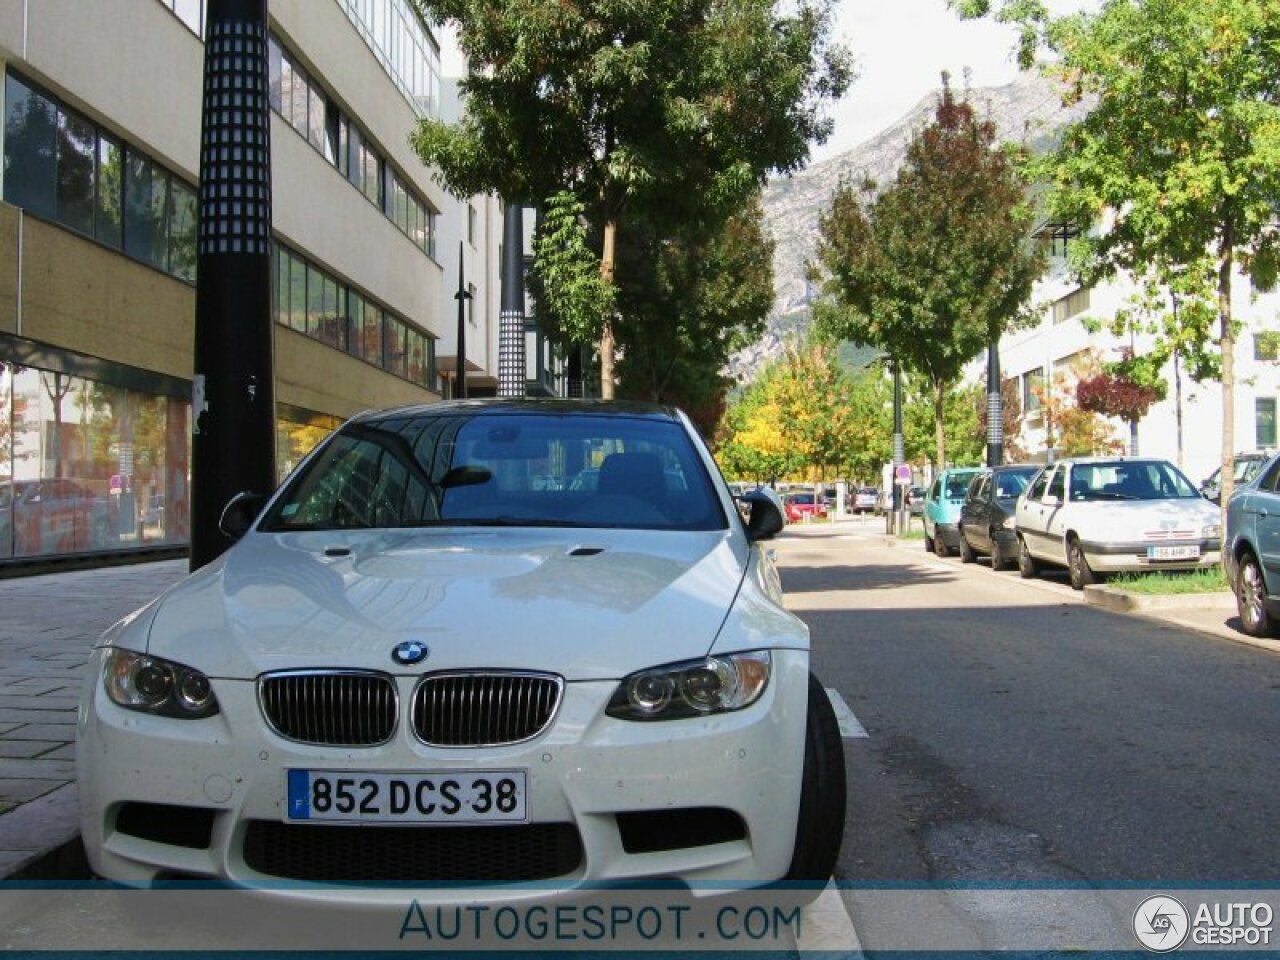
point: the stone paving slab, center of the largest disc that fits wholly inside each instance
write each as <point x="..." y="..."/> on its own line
<point x="48" y="625"/>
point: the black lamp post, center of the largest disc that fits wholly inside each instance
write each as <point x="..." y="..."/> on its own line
<point x="462" y="296"/>
<point x="233" y="436"/>
<point x="899" y="444"/>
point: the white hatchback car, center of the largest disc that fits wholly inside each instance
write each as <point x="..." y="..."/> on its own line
<point x="1105" y="515"/>
<point x="423" y="662"/>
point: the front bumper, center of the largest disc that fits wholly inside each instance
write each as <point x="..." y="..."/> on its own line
<point x="1120" y="557"/>
<point x="584" y="771"/>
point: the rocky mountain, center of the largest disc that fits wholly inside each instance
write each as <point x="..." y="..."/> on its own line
<point x="1028" y="111"/>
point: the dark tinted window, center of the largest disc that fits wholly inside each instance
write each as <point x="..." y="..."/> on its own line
<point x="1272" y="478"/>
<point x="108" y="222"/>
<point x="1011" y="483"/>
<point x="30" y="131"/>
<point x="1058" y="483"/>
<point x="77" y="146"/>
<point x="508" y="470"/>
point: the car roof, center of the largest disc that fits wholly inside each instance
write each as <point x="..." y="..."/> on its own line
<point x="522" y="405"/>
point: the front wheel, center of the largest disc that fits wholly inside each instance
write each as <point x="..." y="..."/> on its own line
<point x="998" y="560"/>
<point x="966" y="552"/>
<point x="1027" y="566"/>
<point x="1082" y="574"/>
<point x="820" y="822"/>
<point x="1251" y="599"/>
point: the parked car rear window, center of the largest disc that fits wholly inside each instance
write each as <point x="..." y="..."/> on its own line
<point x="1130" y="480"/>
<point x="1011" y="483"/>
<point x="572" y="470"/>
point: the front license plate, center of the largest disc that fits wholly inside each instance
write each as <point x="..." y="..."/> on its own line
<point x="1174" y="553"/>
<point x="442" y="796"/>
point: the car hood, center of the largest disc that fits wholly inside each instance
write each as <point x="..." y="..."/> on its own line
<point x="587" y="604"/>
<point x="1134" y="520"/>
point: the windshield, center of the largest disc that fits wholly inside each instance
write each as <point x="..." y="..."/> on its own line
<point x="1130" y="480"/>
<point x="519" y="469"/>
<point x="1011" y="483"/>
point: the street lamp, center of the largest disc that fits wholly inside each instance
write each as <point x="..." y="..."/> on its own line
<point x="462" y="296"/>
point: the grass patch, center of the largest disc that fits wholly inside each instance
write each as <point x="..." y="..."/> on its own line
<point x="911" y="535"/>
<point x="1213" y="580"/>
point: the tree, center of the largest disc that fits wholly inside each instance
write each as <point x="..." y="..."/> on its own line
<point x="687" y="304"/>
<point x="937" y="265"/>
<point x="677" y="109"/>
<point x="1070" y="430"/>
<point x="1120" y="393"/>
<point x="1181" y="150"/>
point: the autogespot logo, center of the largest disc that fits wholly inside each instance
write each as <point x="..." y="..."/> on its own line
<point x="1161" y="923"/>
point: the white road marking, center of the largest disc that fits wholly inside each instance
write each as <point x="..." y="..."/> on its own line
<point x="826" y="926"/>
<point x="850" y="728"/>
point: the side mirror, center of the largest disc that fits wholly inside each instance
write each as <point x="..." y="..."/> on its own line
<point x="764" y="519"/>
<point x="240" y="512"/>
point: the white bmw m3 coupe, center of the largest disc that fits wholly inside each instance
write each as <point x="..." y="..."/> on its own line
<point x="429" y="659"/>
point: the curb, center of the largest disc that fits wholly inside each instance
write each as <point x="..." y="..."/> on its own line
<point x="1123" y="601"/>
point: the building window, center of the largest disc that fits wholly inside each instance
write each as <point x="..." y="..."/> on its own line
<point x="471" y="304"/>
<point x="1265" y="419"/>
<point x="1072" y="305"/>
<point x="304" y="105"/>
<point x="89" y="465"/>
<point x="60" y="166"/>
<point x="471" y="224"/>
<point x="190" y="12"/>
<point x="404" y="46"/>
<point x="1266" y="346"/>
<point x="313" y="302"/>
<point x="1032" y="389"/>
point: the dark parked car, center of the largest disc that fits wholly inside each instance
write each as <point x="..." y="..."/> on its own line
<point x="1250" y="549"/>
<point x="1246" y="466"/>
<point x="986" y="519"/>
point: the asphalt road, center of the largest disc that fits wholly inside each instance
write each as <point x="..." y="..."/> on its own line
<point x="1017" y="735"/>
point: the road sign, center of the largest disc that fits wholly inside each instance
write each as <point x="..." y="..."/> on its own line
<point x="902" y="473"/>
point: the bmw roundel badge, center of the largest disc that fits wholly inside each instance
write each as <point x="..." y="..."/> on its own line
<point x="409" y="652"/>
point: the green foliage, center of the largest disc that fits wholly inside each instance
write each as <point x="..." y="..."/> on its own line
<point x="687" y="303"/>
<point x="935" y="266"/>
<point x="1180" y="155"/>
<point x="666" y="112"/>
<point x="570" y="295"/>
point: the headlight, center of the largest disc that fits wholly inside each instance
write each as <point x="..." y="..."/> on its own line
<point x="1212" y="531"/>
<point x="1009" y="522"/>
<point x="693" y="688"/>
<point x="152" y="685"/>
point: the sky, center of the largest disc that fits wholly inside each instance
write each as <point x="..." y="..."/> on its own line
<point x="901" y="48"/>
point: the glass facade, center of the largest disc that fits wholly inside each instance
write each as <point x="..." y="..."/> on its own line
<point x="62" y="167"/>
<point x="190" y="12"/>
<point x="87" y="466"/>
<point x="313" y="302"/>
<point x="404" y="46"/>
<point x="306" y="107"/>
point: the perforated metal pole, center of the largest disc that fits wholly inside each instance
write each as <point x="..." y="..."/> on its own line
<point x="511" y="361"/>
<point x="995" y="408"/>
<point x="233" y="442"/>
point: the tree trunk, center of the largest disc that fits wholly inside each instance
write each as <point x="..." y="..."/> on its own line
<point x="1227" y="344"/>
<point x="939" y="396"/>
<point x="606" y="335"/>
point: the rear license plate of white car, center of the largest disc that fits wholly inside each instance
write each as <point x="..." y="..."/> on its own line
<point x="1174" y="553"/>
<point x="442" y="796"/>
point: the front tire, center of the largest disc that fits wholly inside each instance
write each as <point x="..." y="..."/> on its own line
<point x="1082" y="574"/>
<point x="820" y="821"/>
<point x="998" y="560"/>
<point x="1251" y="599"/>
<point x="966" y="552"/>
<point x="1027" y="566"/>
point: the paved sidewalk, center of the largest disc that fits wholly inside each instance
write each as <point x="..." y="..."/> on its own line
<point x="48" y="625"/>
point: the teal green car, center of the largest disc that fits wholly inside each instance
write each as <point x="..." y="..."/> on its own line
<point x="942" y="509"/>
